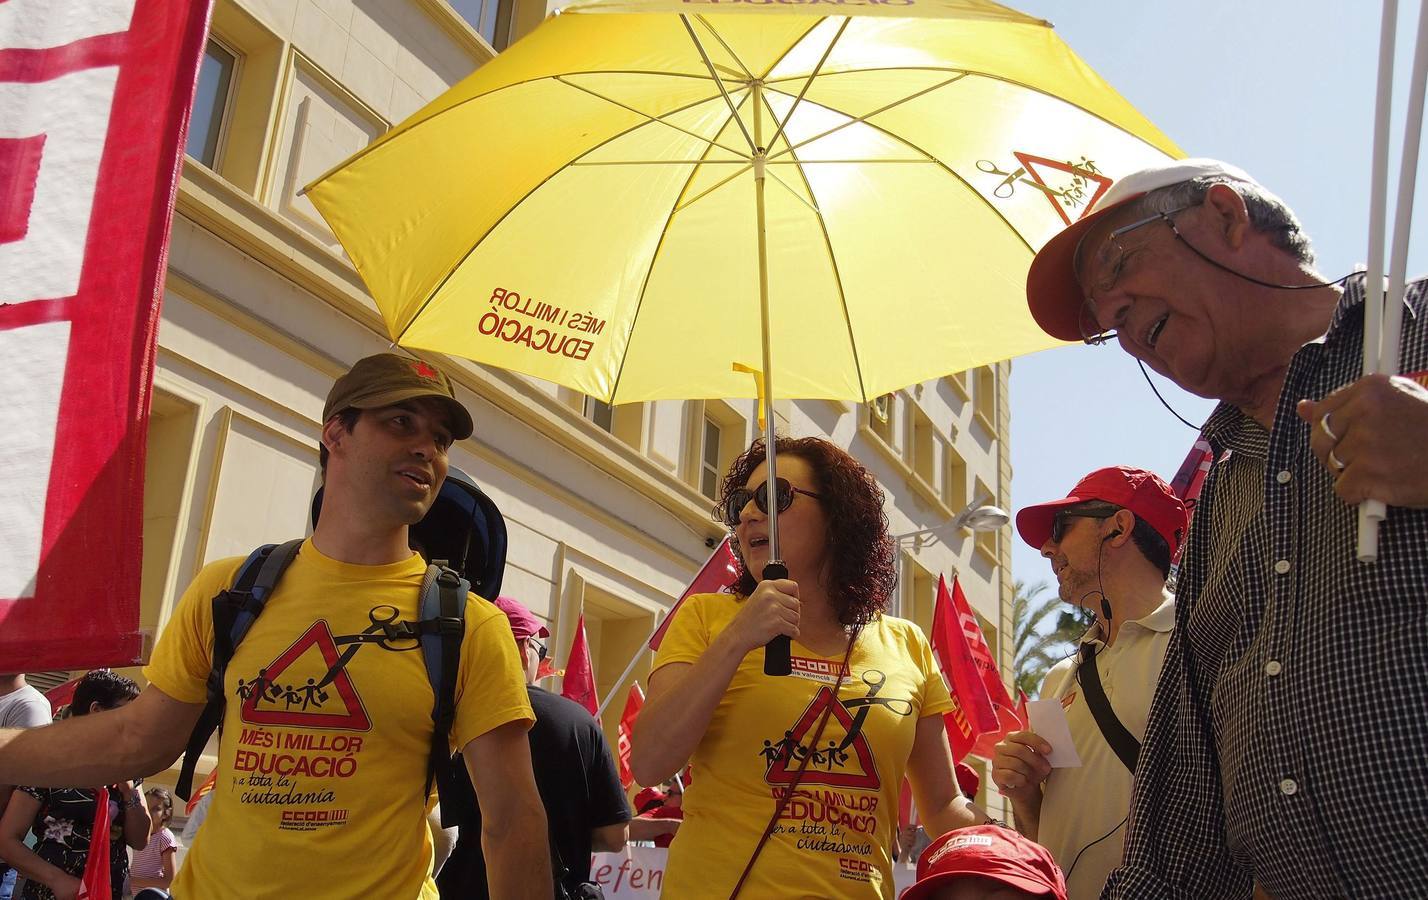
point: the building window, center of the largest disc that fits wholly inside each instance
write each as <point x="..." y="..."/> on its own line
<point x="922" y="446"/>
<point x="958" y="380"/>
<point x="210" y="104"/>
<point x="717" y="433"/>
<point x="954" y="484"/>
<point x="490" y="18"/>
<point x="988" y="542"/>
<point x="984" y="398"/>
<point x="709" y="471"/>
<point x="881" y="413"/>
<point x="600" y="412"/>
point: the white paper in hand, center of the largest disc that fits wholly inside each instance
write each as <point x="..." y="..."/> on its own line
<point x="1048" y="720"/>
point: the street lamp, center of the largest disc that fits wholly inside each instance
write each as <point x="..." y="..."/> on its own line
<point x="979" y="515"/>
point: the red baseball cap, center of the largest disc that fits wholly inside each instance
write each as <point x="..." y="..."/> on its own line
<point x="524" y="623"/>
<point x="987" y="851"/>
<point x="1052" y="291"/>
<point x="968" y="780"/>
<point x="1139" y="491"/>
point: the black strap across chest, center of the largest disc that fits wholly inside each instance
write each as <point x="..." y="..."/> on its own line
<point x="1116" y="734"/>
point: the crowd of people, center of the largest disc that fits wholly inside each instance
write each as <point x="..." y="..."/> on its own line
<point x="1254" y="732"/>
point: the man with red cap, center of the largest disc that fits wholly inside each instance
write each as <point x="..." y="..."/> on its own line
<point x="1285" y="739"/>
<point x="986" y="862"/>
<point x="574" y="770"/>
<point x="1110" y="543"/>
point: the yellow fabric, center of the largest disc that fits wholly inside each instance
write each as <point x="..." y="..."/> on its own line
<point x="582" y="208"/>
<point x="321" y="796"/>
<point x="836" y="834"/>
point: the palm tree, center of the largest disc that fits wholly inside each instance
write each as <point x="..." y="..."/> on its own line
<point x="1035" y="648"/>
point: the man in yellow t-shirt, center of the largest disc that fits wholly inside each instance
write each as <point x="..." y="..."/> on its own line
<point x="326" y="736"/>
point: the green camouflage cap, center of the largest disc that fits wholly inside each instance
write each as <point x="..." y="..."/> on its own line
<point x="388" y="379"/>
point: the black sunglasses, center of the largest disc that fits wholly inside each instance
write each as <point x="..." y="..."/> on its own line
<point x="737" y="499"/>
<point x="540" y="649"/>
<point x="1058" y="522"/>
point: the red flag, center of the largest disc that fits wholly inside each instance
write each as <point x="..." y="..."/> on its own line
<point x="982" y="656"/>
<point x="633" y="701"/>
<point x="1010" y="720"/>
<point x="579" y="682"/>
<point x="204" y="788"/>
<point x="1191" y="477"/>
<point x="94" y="884"/>
<point x="719" y="571"/>
<point x="974" y="713"/>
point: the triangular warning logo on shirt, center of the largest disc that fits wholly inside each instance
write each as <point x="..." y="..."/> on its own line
<point x="300" y="688"/>
<point x="1071" y="188"/>
<point x="837" y="761"/>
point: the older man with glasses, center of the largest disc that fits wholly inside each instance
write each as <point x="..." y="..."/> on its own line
<point x="1110" y="544"/>
<point x="1285" y="742"/>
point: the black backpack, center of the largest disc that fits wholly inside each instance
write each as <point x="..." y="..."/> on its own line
<point x="464" y="532"/>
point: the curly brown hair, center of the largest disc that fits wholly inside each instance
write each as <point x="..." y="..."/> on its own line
<point x="860" y="551"/>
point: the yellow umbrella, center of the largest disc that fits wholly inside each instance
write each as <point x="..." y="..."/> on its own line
<point x="642" y="194"/>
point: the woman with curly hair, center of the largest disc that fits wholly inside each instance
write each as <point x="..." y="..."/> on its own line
<point x="795" y="793"/>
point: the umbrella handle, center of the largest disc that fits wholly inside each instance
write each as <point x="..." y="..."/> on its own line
<point x="777" y="652"/>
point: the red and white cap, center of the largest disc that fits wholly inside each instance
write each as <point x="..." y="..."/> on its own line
<point x="1141" y="492"/>
<point x="987" y="851"/>
<point x="1052" y="292"/>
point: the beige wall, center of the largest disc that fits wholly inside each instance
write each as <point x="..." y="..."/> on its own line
<point x="262" y="311"/>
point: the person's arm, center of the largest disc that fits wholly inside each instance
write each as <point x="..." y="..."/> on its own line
<point x="609" y="838"/>
<point x="513" y="827"/>
<point x="104" y="747"/>
<point x="19" y="815"/>
<point x="940" y="803"/>
<point x="1019" y="768"/>
<point x="137" y="823"/>
<point x="683" y="696"/>
<point x="644" y="828"/>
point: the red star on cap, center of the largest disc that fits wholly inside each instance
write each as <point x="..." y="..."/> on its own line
<point x="425" y="371"/>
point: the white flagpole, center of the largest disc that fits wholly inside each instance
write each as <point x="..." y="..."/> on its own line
<point x="1371" y="512"/>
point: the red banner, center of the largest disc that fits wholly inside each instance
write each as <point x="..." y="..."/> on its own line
<point x="94" y="102"/>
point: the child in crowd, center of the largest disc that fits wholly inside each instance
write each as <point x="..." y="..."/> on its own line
<point x="154" y="866"/>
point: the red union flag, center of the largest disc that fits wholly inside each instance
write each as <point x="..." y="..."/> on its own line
<point x="633" y="701"/>
<point x="94" y="100"/>
<point x="579" y="681"/>
<point x="719" y="571"/>
<point x="974" y="713"/>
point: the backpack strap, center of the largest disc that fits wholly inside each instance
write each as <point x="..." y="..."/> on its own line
<point x="1116" y="734"/>
<point x="442" y="626"/>
<point x="234" y="612"/>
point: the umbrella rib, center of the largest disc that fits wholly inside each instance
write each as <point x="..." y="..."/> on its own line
<point x="659" y="119"/>
<point x="649" y="271"/>
<point x="431" y="295"/>
<point x="796" y="195"/>
<point x="863" y="119"/>
<point x="807" y="83"/>
<point x="722" y="43"/>
<point x="837" y="275"/>
<point x="719" y="81"/>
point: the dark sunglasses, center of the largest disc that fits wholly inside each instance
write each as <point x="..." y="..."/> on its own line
<point x="540" y="649"/>
<point x="1058" y="522"/>
<point x="737" y="499"/>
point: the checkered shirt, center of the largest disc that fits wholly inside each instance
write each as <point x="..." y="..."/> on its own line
<point x="1288" y="734"/>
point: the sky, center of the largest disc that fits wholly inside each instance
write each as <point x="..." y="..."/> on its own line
<point x="1282" y="88"/>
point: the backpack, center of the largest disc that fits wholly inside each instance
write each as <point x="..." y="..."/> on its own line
<point x="462" y="521"/>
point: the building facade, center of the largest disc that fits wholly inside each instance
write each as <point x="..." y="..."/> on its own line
<point x="608" y="509"/>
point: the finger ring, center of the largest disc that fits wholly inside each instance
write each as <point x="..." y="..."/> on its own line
<point x="1324" y="424"/>
<point x="1335" y="461"/>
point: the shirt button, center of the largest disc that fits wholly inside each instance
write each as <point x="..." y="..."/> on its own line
<point x="1288" y="787"/>
<point x="1283" y="476"/>
<point x="1273" y="667"/>
<point x="1282" y="567"/>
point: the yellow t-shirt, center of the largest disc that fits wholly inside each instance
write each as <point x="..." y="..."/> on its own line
<point x="323" y="755"/>
<point x="834" y="836"/>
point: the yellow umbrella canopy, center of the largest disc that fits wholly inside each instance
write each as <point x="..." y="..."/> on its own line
<point x="585" y="208"/>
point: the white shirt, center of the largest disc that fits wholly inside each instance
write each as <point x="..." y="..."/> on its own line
<point x="1082" y="804"/>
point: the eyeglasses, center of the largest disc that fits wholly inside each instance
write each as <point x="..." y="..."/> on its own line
<point x="1059" y="525"/>
<point x="540" y="649"/>
<point x="734" y="503"/>
<point x="1113" y="260"/>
